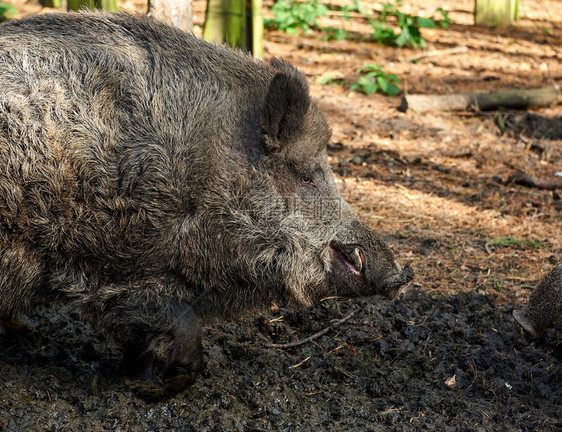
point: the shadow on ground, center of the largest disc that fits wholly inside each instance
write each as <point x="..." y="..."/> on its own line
<point x="418" y="362"/>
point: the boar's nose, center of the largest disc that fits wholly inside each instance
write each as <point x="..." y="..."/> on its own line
<point x="390" y="285"/>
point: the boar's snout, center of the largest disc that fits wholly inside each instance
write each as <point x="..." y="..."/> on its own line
<point x="391" y="285"/>
<point x="367" y="266"/>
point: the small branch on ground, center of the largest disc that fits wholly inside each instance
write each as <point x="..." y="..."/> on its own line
<point x="524" y="179"/>
<point x="436" y="53"/>
<point x="315" y="335"/>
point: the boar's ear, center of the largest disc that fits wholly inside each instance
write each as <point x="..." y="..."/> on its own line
<point x="285" y="105"/>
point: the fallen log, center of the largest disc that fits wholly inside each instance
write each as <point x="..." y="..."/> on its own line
<point x="515" y="99"/>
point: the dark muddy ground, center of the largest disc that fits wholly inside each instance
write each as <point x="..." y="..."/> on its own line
<point x="420" y="362"/>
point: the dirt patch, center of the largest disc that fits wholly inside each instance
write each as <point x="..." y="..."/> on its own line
<point x="446" y="355"/>
<point x="419" y="362"/>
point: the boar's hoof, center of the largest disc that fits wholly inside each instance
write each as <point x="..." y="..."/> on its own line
<point x="524" y="322"/>
<point x="163" y="361"/>
<point x="156" y="383"/>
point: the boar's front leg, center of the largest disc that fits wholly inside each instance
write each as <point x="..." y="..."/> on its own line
<point x="161" y="340"/>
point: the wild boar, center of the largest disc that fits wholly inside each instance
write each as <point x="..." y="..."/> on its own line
<point x="151" y="179"/>
<point x="545" y="305"/>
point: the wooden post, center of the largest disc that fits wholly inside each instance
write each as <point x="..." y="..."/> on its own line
<point x="496" y="12"/>
<point x="236" y="22"/>
<point x="107" y="5"/>
<point x="178" y="13"/>
<point x="257" y="28"/>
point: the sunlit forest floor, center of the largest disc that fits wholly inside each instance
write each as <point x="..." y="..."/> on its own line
<point x="438" y="181"/>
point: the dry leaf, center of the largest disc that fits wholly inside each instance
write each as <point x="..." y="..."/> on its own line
<point x="451" y="382"/>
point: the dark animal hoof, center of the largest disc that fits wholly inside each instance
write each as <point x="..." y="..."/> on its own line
<point x="155" y="383"/>
<point x="155" y="391"/>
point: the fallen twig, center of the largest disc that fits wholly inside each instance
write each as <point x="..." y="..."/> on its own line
<point x="435" y="53"/>
<point x="315" y="335"/>
<point x="300" y="363"/>
<point x="349" y="14"/>
<point x="524" y="179"/>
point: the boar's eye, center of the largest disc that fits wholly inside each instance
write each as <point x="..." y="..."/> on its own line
<point x="307" y="180"/>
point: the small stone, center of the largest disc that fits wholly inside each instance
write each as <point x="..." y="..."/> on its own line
<point x="357" y="160"/>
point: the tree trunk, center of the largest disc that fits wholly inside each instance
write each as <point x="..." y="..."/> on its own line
<point x="178" y="13"/>
<point x="496" y="12"/>
<point x="53" y="3"/>
<point x="76" y="5"/>
<point x="257" y="28"/>
<point x="225" y="22"/>
<point x="107" y="5"/>
<point x="236" y="22"/>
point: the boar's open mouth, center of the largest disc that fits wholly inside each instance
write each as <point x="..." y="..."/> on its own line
<point x="352" y="257"/>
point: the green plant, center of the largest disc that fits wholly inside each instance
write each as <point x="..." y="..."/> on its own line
<point x="334" y="33"/>
<point x="446" y="21"/>
<point x="329" y="79"/>
<point x="355" y="6"/>
<point x="6" y="11"/>
<point x="384" y="34"/>
<point x="410" y="30"/>
<point x="374" y="79"/>
<point x="408" y="24"/>
<point x="392" y="27"/>
<point x="339" y="33"/>
<point x="291" y="16"/>
<point x="510" y="241"/>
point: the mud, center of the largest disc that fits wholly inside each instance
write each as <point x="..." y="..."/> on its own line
<point x="388" y="367"/>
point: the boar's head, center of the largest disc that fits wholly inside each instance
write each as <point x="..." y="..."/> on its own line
<point x="290" y="230"/>
<point x="352" y="259"/>
<point x="271" y="223"/>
